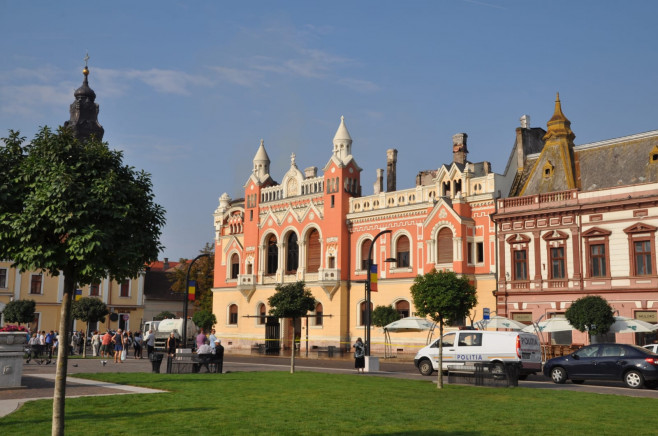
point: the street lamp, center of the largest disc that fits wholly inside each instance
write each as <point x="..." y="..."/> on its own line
<point x="187" y="290"/>
<point x="368" y="312"/>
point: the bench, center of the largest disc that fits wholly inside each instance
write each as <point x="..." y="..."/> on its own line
<point x="330" y="351"/>
<point x="188" y="363"/>
<point x="483" y="374"/>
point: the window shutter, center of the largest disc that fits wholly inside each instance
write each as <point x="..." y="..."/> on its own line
<point x="314" y="254"/>
<point x="445" y="246"/>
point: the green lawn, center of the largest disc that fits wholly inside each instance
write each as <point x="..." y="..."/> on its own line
<point x="325" y="404"/>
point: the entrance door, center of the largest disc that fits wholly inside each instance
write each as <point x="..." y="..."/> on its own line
<point x="272" y="338"/>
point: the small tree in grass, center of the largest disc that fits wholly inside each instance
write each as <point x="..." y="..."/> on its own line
<point x="384" y="315"/>
<point x="444" y="297"/>
<point x="591" y="314"/>
<point x="291" y="301"/>
<point x="20" y="311"/>
<point x="72" y="207"/>
<point x="204" y="319"/>
<point x="89" y="310"/>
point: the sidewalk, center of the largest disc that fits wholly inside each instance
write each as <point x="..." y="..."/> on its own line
<point x="38" y="382"/>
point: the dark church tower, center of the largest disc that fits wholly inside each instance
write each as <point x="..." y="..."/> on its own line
<point x="84" y="112"/>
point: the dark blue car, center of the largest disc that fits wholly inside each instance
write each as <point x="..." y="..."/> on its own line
<point x="635" y="366"/>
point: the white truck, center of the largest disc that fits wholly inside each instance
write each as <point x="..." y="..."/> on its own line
<point x="166" y="326"/>
<point x="470" y="346"/>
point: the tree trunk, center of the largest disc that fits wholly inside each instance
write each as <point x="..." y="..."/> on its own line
<point x="292" y="355"/>
<point x="439" y="382"/>
<point x="59" y="395"/>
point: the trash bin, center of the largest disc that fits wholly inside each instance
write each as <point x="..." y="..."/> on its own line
<point x="513" y="370"/>
<point x="156" y="361"/>
<point x="331" y="349"/>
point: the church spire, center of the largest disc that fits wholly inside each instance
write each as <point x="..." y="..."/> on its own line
<point x="559" y="126"/>
<point x="84" y="111"/>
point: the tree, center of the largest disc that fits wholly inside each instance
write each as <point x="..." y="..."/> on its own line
<point x="384" y="315"/>
<point x="203" y="272"/>
<point x="89" y="310"/>
<point x="74" y="208"/>
<point x="20" y="311"/>
<point x="591" y="314"/>
<point x="291" y="301"/>
<point x="204" y="320"/>
<point x="444" y="297"/>
<point x="164" y="315"/>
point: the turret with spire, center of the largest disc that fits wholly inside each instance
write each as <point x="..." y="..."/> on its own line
<point x="84" y="111"/>
<point x="261" y="163"/>
<point x="342" y="142"/>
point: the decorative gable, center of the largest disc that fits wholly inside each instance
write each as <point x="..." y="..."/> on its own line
<point x="640" y="228"/>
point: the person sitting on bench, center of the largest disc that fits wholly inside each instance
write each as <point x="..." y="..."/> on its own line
<point x="204" y="354"/>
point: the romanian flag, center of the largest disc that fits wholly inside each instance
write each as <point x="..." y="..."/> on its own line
<point x="373" y="278"/>
<point x="191" y="290"/>
<point x="78" y="294"/>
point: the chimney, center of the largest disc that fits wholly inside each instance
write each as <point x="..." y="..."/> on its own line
<point x="311" y="172"/>
<point x="391" y="162"/>
<point x="525" y="121"/>
<point x="165" y="264"/>
<point x="379" y="183"/>
<point x="459" y="150"/>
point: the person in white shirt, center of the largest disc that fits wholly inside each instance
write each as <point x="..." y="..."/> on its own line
<point x="204" y="353"/>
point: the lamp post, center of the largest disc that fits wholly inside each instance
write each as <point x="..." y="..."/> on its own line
<point x="187" y="280"/>
<point x="368" y="312"/>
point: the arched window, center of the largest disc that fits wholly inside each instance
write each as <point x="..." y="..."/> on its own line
<point x="235" y="265"/>
<point x="313" y="251"/>
<point x="292" y="258"/>
<point x="318" y="314"/>
<point x="444" y="246"/>
<point x="402" y="252"/>
<point x="402" y="308"/>
<point x="233" y="314"/>
<point x="262" y="313"/>
<point x="365" y="248"/>
<point x="272" y="255"/>
<point x="362" y="310"/>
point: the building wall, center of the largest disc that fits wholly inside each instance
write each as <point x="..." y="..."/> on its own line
<point x="48" y="299"/>
<point x="461" y="197"/>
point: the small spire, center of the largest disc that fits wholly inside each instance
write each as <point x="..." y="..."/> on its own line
<point x="292" y="160"/>
<point x="85" y="71"/>
<point x="557" y="114"/>
<point x="342" y="133"/>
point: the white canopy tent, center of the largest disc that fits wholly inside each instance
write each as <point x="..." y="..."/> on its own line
<point x="408" y="324"/>
<point x="499" y="322"/>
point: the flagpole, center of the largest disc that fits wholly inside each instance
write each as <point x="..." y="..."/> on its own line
<point x="187" y="288"/>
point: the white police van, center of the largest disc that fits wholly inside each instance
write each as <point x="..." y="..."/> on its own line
<point x="470" y="346"/>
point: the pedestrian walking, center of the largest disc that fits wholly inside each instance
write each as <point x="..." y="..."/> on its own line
<point x="359" y="356"/>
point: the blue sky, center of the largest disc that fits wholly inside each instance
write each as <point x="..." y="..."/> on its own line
<point x="188" y="89"/>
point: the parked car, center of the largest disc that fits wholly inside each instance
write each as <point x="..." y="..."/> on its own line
<point x="634" y="365"/>
<point x="651" y="347"/>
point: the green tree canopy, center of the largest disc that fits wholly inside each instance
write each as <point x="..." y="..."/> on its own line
<point x="20" y="311"/>
<point x="591" y="314"/>
<point x="204" y="319"/>
<point x="89" y="310"/>
<point x="164" y="315"/>
<point x="444" y="297"/>
<point x="292" y="301"/>
<point x="203" y="272"/>
<point x="384" y="315"/>
<point x="73" y="207"/>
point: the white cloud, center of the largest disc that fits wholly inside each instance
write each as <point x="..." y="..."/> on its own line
<point x="240" y="77"/>
<point x="164" y="81"/>
<point x="359" y="85"/>
<point x="29" y="100"/>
